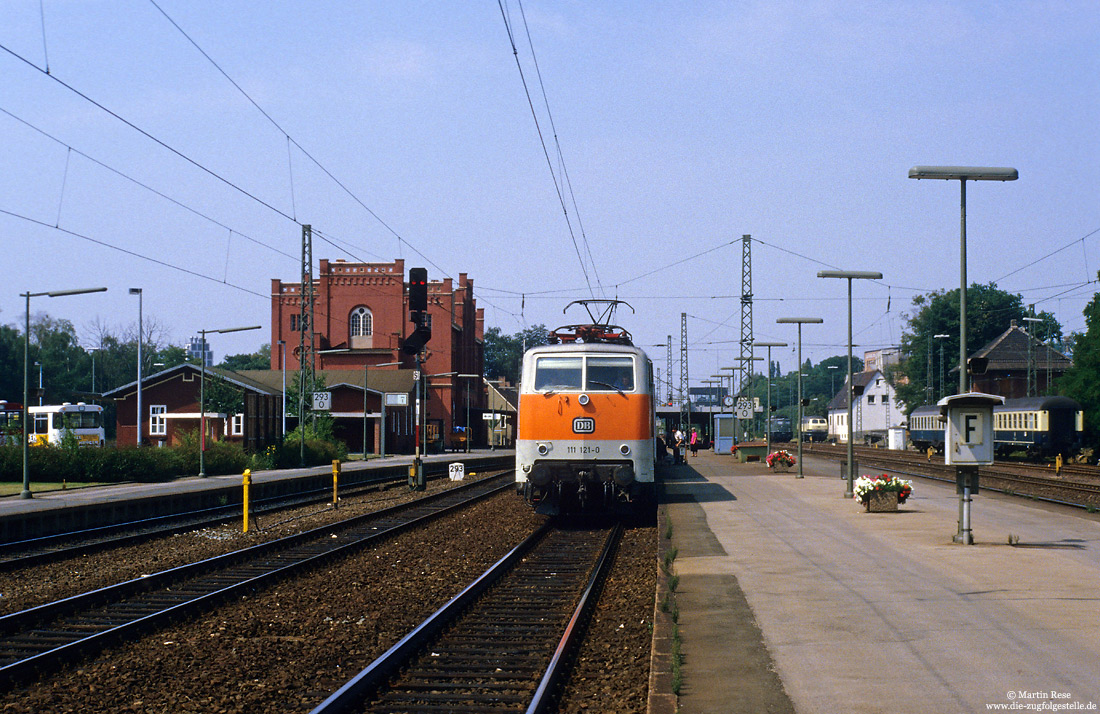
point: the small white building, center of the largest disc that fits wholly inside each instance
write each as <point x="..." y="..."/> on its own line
<point x="875" y="409"/>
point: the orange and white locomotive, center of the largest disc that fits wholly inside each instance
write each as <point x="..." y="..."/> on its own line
<point x="586" y="421"/>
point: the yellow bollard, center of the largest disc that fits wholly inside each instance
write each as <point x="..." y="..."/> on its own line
<point x="247" y="483"/>
<point x="335" y="479"/>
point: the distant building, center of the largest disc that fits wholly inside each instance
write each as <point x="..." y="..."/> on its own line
<point x="1011" y="358"/>
<point x="360" y="322"/>
<point x="875" y="409"/>
<point x="881" y="359"/>
<point x="198" y="348"/>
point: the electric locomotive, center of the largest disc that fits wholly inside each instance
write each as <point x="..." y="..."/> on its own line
<point x="585" y="438"/>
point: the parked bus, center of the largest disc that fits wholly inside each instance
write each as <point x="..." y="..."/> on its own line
<point x="11" y="422"/>
<point x="50" y="423"/>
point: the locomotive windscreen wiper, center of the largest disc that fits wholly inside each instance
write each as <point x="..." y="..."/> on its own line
<point x="609" y="386"/>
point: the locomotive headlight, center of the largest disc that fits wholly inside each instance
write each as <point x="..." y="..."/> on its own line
<point x="543" y="449"/>
<point x="584" y="400"/>
<point x="625" y="449"/>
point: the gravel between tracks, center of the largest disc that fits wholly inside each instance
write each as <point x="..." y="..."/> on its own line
<point x="287" y="647"/>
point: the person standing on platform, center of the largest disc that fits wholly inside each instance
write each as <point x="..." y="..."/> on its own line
<point x="679" y="452"/>
<point x="694" y="442"/>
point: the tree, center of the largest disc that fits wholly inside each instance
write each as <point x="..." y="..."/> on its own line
<point x="260" y="359"/>
<point x="989" y="312"/>
<point x="504" y="353"/>
<point x="1081" y="380"/>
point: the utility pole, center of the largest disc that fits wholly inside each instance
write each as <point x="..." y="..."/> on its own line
<point x="685" y="405"/>
<point x="745" y="362"/>
<point x="306" y="348"/>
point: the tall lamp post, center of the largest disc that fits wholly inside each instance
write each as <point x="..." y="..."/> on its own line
<point x="137" y="291"/>
<point x="469" y="431"/>
<point x="202" y="392"/>
<point x="962" y="174"/>
<point x="800" y="321"/>
<point x="850" y="275"/>
<point x="26" y="493"/>
<point x="768" y="406"/>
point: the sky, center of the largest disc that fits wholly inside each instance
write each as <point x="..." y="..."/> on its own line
<point x="179" y="146"/>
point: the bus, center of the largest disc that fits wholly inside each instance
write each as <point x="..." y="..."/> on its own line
<point x="50" y="423"/>
<point x="11" y="422"/>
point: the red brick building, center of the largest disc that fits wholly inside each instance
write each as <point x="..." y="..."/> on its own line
<point x="360" y="320"/>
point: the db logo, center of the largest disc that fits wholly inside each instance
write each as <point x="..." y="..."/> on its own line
<point x="584" y="425"/>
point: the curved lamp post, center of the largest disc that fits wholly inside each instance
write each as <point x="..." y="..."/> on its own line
<point x="768" y="406"/>
<point x="202" y="393"/>
<point x="26" y="493"/>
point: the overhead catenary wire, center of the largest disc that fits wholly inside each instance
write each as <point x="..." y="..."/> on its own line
<point x="545" y="151"/>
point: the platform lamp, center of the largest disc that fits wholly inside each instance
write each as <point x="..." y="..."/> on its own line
<point x="768" y="405"/>
<point x="748" y="370"/>
<point x="1032" y="380"/>
<point x="282" y="365"/>
<point x="26" y="493"/>
<point x="962" y="174"/>
<point x="202" y="392"/>
<point x="469" y="431"/>
<point x="800" y="321"/>
<point x="850" y="275"/>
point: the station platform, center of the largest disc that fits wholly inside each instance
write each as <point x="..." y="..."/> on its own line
<point x="59" y="511"/>
<point x="793" y="599"/>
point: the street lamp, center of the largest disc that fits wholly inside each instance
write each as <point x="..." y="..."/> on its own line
<point x="832" y="379"/>
<point x="41" y="391"/>
<point x="850" y="275"/>
<point x="202" y="393"/>
<point x="137" y="291"/>
<point x="26" y="493"/>
<point x="962" y="174"/>
<point x="800" y="321"/>
<point x="469" y="431"/>
<point x="768" y="406"/>
<point x="941" y="338"/>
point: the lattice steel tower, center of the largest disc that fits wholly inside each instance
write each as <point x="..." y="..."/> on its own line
<point x="685" y="397"/>
<point x="745" y="363"/>
<point x="307" y="353"/>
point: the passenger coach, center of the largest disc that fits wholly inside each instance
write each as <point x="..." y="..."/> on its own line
<point x="586" y="422"/>
<point x="1041" y="426"/>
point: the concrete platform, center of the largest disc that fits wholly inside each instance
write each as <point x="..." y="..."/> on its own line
<point x="61" y="511"/>
<point x="879" y="612"/>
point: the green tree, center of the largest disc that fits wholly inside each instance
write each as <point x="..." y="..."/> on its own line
<point x="260" y="359"/>
<point x="989" y="312"/>
<point x="1082" y="380"/>
<point x="504" y="353"/>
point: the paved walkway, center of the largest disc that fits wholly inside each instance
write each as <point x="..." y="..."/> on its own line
<point x="864" y="612"/>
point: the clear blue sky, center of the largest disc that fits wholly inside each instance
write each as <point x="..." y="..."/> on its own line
<point x="683" y="125"/>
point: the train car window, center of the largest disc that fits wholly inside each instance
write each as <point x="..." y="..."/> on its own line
<point x="558" y="373"/>
<point x="610" y="374"/>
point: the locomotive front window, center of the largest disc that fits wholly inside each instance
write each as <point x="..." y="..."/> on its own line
<point x="558" y="373"/>
<point x="610" y="373"/>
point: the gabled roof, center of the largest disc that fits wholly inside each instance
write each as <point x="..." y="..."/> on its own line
<point x="270" y="381"/>
<point x="1008" y="351"/>
<point x="239" y="379"/>
<point x="860" y="379"/>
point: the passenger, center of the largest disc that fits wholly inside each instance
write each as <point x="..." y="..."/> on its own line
<point x="679" y="452"/>
<point x="694" y="442"/>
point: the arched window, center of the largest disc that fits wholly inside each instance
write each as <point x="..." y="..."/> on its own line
<point x="360" y="327"/>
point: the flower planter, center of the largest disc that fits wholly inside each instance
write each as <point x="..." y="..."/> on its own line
<point x="780" y="468"/>
<point x="881" y="501"/>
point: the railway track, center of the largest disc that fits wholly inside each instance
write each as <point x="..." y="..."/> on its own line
<point x="1078" y="487"/>
<point x="503" y="643"/>
<point x="40" y="639"/>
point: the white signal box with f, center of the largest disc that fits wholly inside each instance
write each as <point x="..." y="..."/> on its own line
<point x="969" y="430"/>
